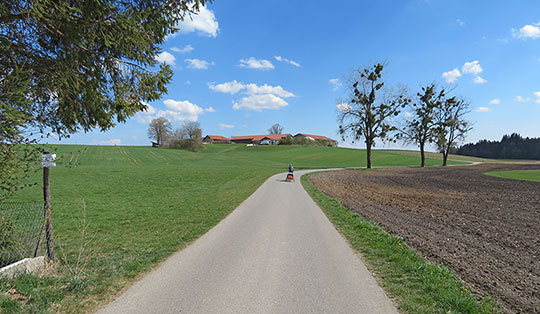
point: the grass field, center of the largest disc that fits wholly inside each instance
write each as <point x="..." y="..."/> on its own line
<point x="118" y="211"/>
<point x="524" y="175"/>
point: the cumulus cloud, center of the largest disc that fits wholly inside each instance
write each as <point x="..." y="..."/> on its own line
<point x="528" y="31"/>
<point x="186" y="49"/>
<point x="522" y="99"/>
<point x="259" y="97"/>
<point x="174" y="110"/>
<point x="495" y="101"/>
<point x="483" y="109"/>
<point x="259" y="102"/>
<point x="451" y="76"/>
<point x="343" y="107"/>
<point x="204" y="23"/>
<point x="165" y="57"/>
<point x="234" y="87"/>
<point x="259" y="64"/>
<point x="291" y="62"/>
<point x="479" y="80"/>
<point x="472" y="68"/>
<point x="225" y="126"/>
<point x="197" y="64"/>
<point x="114" y="141"/>
<point x="336" y="83"/>
<point x="537" y="95"/>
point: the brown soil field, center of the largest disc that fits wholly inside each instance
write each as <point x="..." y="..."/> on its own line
<point x="485" y="229"/>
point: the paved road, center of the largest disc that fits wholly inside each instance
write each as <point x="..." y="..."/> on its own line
<point x="276" y="253"/>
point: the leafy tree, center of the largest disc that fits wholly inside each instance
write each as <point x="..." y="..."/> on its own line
<point x="451" y="125"/>
<point x="421" y="127"/>
<point x="275" y="129"/>
<point x="159" y="130"/>
<point x="368" y="112"/>
<point x="68" y="66"/>
<point x="189" y="137"/>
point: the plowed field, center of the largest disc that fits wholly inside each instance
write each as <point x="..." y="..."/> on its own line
<point x="486" y="229"/>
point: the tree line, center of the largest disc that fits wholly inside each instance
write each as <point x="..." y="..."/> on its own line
<point x="372" y="112"/>
<point x="509" y="147"/>
<point x="188" y="136"/>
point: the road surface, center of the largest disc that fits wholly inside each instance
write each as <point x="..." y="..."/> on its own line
<point x="276" y="253"/>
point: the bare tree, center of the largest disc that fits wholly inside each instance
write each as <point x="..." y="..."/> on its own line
<point x="275" y="129"/>
<point x="421" y="127"/>
<point x="367" y="114"/>
<point x="188" y="136"/>
<point x="191" y="129"/>
<point x="159" y="130"/>
<point x="451" y="125"/>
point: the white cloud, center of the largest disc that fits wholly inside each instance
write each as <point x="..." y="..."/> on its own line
<point x="204" y="22"/>
<point x="479" y="80"/>
<point x="495" y="101"/>
<point x="343" y="107"/>
<point x="267" y="89"/>
<point x="210" y="109"/>
<point x="259" y="64"/>
<point x="175" y="110"/>
<point x="165" y="57"/>
<point x="186" y="49"/>
<point x="537" y="95"/>
<point x="528" y="31"/>
<point x="281" y="59"/>
<point x="483" y="109"/>
<point x="521" y="99"/>
<point x="259" y="96"/>
<point x="451" y="76"/>
<point x="336" y="83"/>
<point x="198" y="64"/>
<point x="225" y="126"/>
<point x="460" y="22"/>
<point x="232" y="87"/>
<point x="408" y="114"/>
<point x="114" y="141"/>
<point x="258" y="102"/>
<point x="472" y="68"/>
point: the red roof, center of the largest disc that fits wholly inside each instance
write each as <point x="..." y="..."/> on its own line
<point x="276" y="137"/>
<point x="316" y="137"/>
<point x="218" y="137"/>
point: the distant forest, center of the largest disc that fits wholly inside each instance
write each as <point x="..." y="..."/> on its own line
<point x="510" y="147"/>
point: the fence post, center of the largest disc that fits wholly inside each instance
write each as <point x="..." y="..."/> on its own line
<point x="47" y="160"/>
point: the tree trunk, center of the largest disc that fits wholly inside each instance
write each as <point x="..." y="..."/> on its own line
<point x="422" y="155"/>
<point x="445" y="157"/>
<point x="368" y="150"/>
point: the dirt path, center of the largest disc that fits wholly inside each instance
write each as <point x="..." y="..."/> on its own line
<point x="486" y="229"/>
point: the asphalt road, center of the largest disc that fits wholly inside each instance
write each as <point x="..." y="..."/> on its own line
<point x="276" y="253"/>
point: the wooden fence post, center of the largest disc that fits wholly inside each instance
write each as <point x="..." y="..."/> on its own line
<point x="46" y="162"/>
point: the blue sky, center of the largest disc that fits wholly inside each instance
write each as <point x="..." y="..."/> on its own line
<point x="241" y="66"/>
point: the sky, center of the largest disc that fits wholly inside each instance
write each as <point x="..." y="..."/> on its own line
<point x="240" y="66"/>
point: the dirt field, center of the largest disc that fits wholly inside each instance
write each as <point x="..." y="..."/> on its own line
<point x="486" y="229"/>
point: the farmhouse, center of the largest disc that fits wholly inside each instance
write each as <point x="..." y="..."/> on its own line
<point x="270" y="139"/>
<point x="216" y="139"/>
<point x="312" y="137"/>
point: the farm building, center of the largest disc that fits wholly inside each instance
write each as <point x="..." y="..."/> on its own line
<point x="270" y="139"/>
<point x="312" y="137"/>
<point x="216" y="139"/>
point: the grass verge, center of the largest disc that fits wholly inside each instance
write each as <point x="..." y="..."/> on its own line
<point x="417" y="285"/>
<point x="523" y="175"/>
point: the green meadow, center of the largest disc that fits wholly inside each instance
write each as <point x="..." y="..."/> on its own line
<point x="524" y="175"/>
<point x="118" y="211"/>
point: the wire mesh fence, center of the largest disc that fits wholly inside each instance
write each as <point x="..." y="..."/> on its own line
<point x="21" y="230"/>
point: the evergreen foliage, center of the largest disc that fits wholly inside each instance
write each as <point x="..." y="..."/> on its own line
<point x="509" y="147"/>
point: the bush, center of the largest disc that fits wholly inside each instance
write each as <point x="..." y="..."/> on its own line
<point x="10" y="244"/>
<point x="189" y="144"/>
